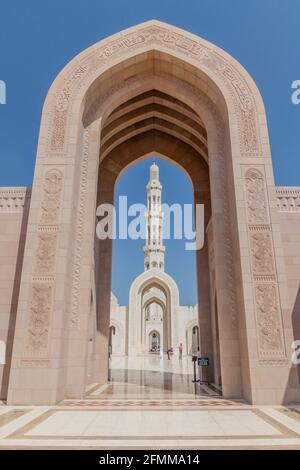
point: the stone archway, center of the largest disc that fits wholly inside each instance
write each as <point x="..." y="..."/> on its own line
<point x="154" y="341"/>
<point x="145" y="281"/>
<point x="221" y="142"/>
<point x="162" y="327"/>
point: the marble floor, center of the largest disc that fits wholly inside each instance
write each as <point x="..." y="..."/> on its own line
<point x="150" y="404"/>
<point x="153" y="377"/>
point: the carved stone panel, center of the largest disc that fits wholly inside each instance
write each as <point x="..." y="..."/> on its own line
<point x="43" y="275"/>
<point x="264" y="277"/>
<point x="261" y="251"/>
<point x="45" y="256"/>
<point x="256" y="197"/>
<point x="39" y="319"/>
<point x="51" y="197"/>
<point x="60" y="115"/>
<point x="268" y="320"/>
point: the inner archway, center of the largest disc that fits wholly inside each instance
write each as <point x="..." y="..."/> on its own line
<point x="149" y="270"/>
<point x="154" y="341"/>
<point x="156" y="136"/>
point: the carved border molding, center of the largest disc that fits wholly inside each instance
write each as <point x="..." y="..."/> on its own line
<point x="35" y="362"/>
<point x="152" y="35"/>
<point x="79" y="229"/>
<point x="269" y="327"/>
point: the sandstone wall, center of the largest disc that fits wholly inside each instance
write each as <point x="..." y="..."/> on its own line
<point x="14" y="204"/>
<point x="289" y="207"/>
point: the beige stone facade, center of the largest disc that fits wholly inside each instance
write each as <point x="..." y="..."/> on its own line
<point x="151" y="88"/>
<point x="184" y="321"/>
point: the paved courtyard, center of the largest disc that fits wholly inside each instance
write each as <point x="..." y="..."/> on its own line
<point x="150" y="403"/>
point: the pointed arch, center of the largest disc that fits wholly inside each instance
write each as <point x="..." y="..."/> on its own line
<point x="197" y="105"/>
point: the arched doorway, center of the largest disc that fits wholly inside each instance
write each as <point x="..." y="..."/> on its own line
<point x="155" y="316"/>
<point x="154" y="342"/>
<point x="151" y="287"/>
<point x="151" y="88"/>
<point x="151" y="306"/>
<point x="195" y="339"/>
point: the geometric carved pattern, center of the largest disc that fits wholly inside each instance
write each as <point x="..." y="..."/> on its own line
<point x="79" y="228"/>
<point x="51" y="197"/>
<point x="152" y="35"/>
<point x="38" y="328"/>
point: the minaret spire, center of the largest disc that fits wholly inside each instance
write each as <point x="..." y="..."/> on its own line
<point x="154" y="251"/>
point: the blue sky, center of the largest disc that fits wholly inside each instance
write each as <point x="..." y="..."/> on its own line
<point x="38" y="38"/>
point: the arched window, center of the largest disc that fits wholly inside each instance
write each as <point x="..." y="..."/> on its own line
<point x="154" y="338"/>
<point x="112" y="332"/>
<point x="195" y="338"/>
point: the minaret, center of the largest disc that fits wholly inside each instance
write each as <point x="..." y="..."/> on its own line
<point x="154" y="251"/>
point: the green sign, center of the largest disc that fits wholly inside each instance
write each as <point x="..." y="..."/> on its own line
<point x="203" y="361"/>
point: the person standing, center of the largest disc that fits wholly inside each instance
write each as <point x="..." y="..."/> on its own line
<point x="169" y="351"/>
<point x="180" y="349"/>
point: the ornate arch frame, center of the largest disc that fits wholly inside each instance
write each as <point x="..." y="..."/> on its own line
<point x="49" y="353"/>
<point x="157" y="333"/>
<point x="153" y="277"/>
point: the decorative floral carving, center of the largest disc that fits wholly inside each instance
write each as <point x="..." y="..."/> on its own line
<point x="262" y="256"/>
<point x="58" y="131"/>
<point x="45" y="255"/>
<point x="268" y="311"/>
<point x="256" y="198"/>
<point x="60" y="114"/>
<point x="64" y="96"/>
<point x="51" y="198"/>
<point x="40" y="305"/>
<point x="268" y="319"/>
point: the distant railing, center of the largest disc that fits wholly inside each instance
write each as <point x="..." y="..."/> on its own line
<point x="288" y="198"/>
<point x="13" y="199"/>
